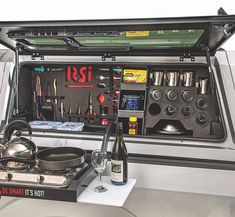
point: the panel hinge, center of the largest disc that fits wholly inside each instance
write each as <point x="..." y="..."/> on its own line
<point x="37" y="55"/>
<point x="188" y="56"/>
<point x="108" y="56"/>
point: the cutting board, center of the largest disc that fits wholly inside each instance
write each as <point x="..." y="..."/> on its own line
<point x="114" y="196"/>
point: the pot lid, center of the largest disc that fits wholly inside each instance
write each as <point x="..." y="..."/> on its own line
<point x="157" y="36"/>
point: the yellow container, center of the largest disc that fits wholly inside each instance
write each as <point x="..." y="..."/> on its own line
<point x="132" y="119"/>
<point x="135" y="76"/>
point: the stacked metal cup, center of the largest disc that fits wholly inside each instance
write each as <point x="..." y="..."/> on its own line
<point x="172" y="79"/>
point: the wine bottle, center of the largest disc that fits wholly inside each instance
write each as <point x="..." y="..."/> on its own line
<point x="119" y="156"/>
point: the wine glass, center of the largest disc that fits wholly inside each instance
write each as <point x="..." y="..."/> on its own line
<point x="99" y="161"/>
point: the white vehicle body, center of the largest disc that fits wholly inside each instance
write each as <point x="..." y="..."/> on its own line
<point x="187" y="170"/>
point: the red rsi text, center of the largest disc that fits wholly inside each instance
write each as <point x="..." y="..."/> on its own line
<point x="81" y="75"/>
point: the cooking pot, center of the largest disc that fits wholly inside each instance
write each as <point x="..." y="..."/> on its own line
<point x="18" y="147"/>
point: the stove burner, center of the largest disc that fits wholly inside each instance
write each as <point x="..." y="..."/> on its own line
<point x="15" y="166"/>
<point x="37" y="177"/>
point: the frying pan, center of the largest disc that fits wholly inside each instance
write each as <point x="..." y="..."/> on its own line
<point x="60" y="158"/>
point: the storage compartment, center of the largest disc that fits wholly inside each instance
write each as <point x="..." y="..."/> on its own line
<point x="173" y="100"/>
<point x="181" y="101"/>
<point x="70" y="93"/>
<point x="156" y="71"/>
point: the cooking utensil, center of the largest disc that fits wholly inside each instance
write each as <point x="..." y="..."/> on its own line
<point x="55" y="89"/>
<point x="47" y="110"/>
<point x="54" y="104"/>
<point x="39" y="98"/>
<point x="90" y="111"/>
<point x="47" y="107"/>
<point x="43" y="69"/>
<point x="62" y="110"/>
<point x="78" y="111"/>
<point x="54" y="159"/>
<point x="187" y="110"/>
<point x="187" y="95"/>
<point x="115" y="101"/>
<point x="79" y="86"/>
<point x="70" y="112"/>
<point x="36" y="104"/>
<point x="156" y="94"/>
<point x="104" y="121"/>
<point x="60" y="158"/>
<point x="201" y="118"/>
<point x="171" y="95"/>
<point x="171" y="127"/>
<point x="157" y="77"/>
<point x="115" y="110"/>
<point x="201" y="103"/>
<point x="172" y="79"/>
<point x="203" y="86"/>
<point x="170" y="110"/>
<point x="107" y="92"/>
<point x="48" y="90"/>
<point x="116" y="92"/>
<point x="56" y="69"/>
<point x="101" y="77"/>
<point x="103" y="113"/>
<point x="19" y="147"/>
<point x="188" y="79"/>
<point x="101" y="85"/>
<point x="117" y="70"/>
<point x="103" y="69"/>
<point x="39" y="69"/>
<point x="101" y="98"/>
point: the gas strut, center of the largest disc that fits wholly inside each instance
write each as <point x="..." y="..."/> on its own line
<point x="211" y="76"/>
<point x="17" y="81"/>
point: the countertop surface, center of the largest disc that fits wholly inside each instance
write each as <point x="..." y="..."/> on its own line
<point x="141" y="202"/>
<point x="114" y="196"/>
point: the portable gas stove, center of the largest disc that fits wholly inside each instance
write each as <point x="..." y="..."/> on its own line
<point x="50" y="185"/>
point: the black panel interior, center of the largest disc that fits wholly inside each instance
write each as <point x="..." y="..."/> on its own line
<point x="172" y="108"/>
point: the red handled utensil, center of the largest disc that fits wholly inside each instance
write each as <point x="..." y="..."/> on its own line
<point x="101" y="98"/>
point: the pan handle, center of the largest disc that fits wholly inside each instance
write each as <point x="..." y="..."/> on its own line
<point x="107" y="134"/>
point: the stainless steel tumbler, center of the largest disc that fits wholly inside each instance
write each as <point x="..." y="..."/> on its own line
<point x="157" y="77"/>
<point x="203" y="85"/>
<point x="172" y="79"/>
<point x="188" y="79"/>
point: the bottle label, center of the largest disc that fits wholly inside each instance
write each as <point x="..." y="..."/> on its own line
<point x="117" y="170"/>
<point x="132" y="132"/>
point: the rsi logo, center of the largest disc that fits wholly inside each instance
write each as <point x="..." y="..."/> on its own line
<point x="81" y="75"/>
